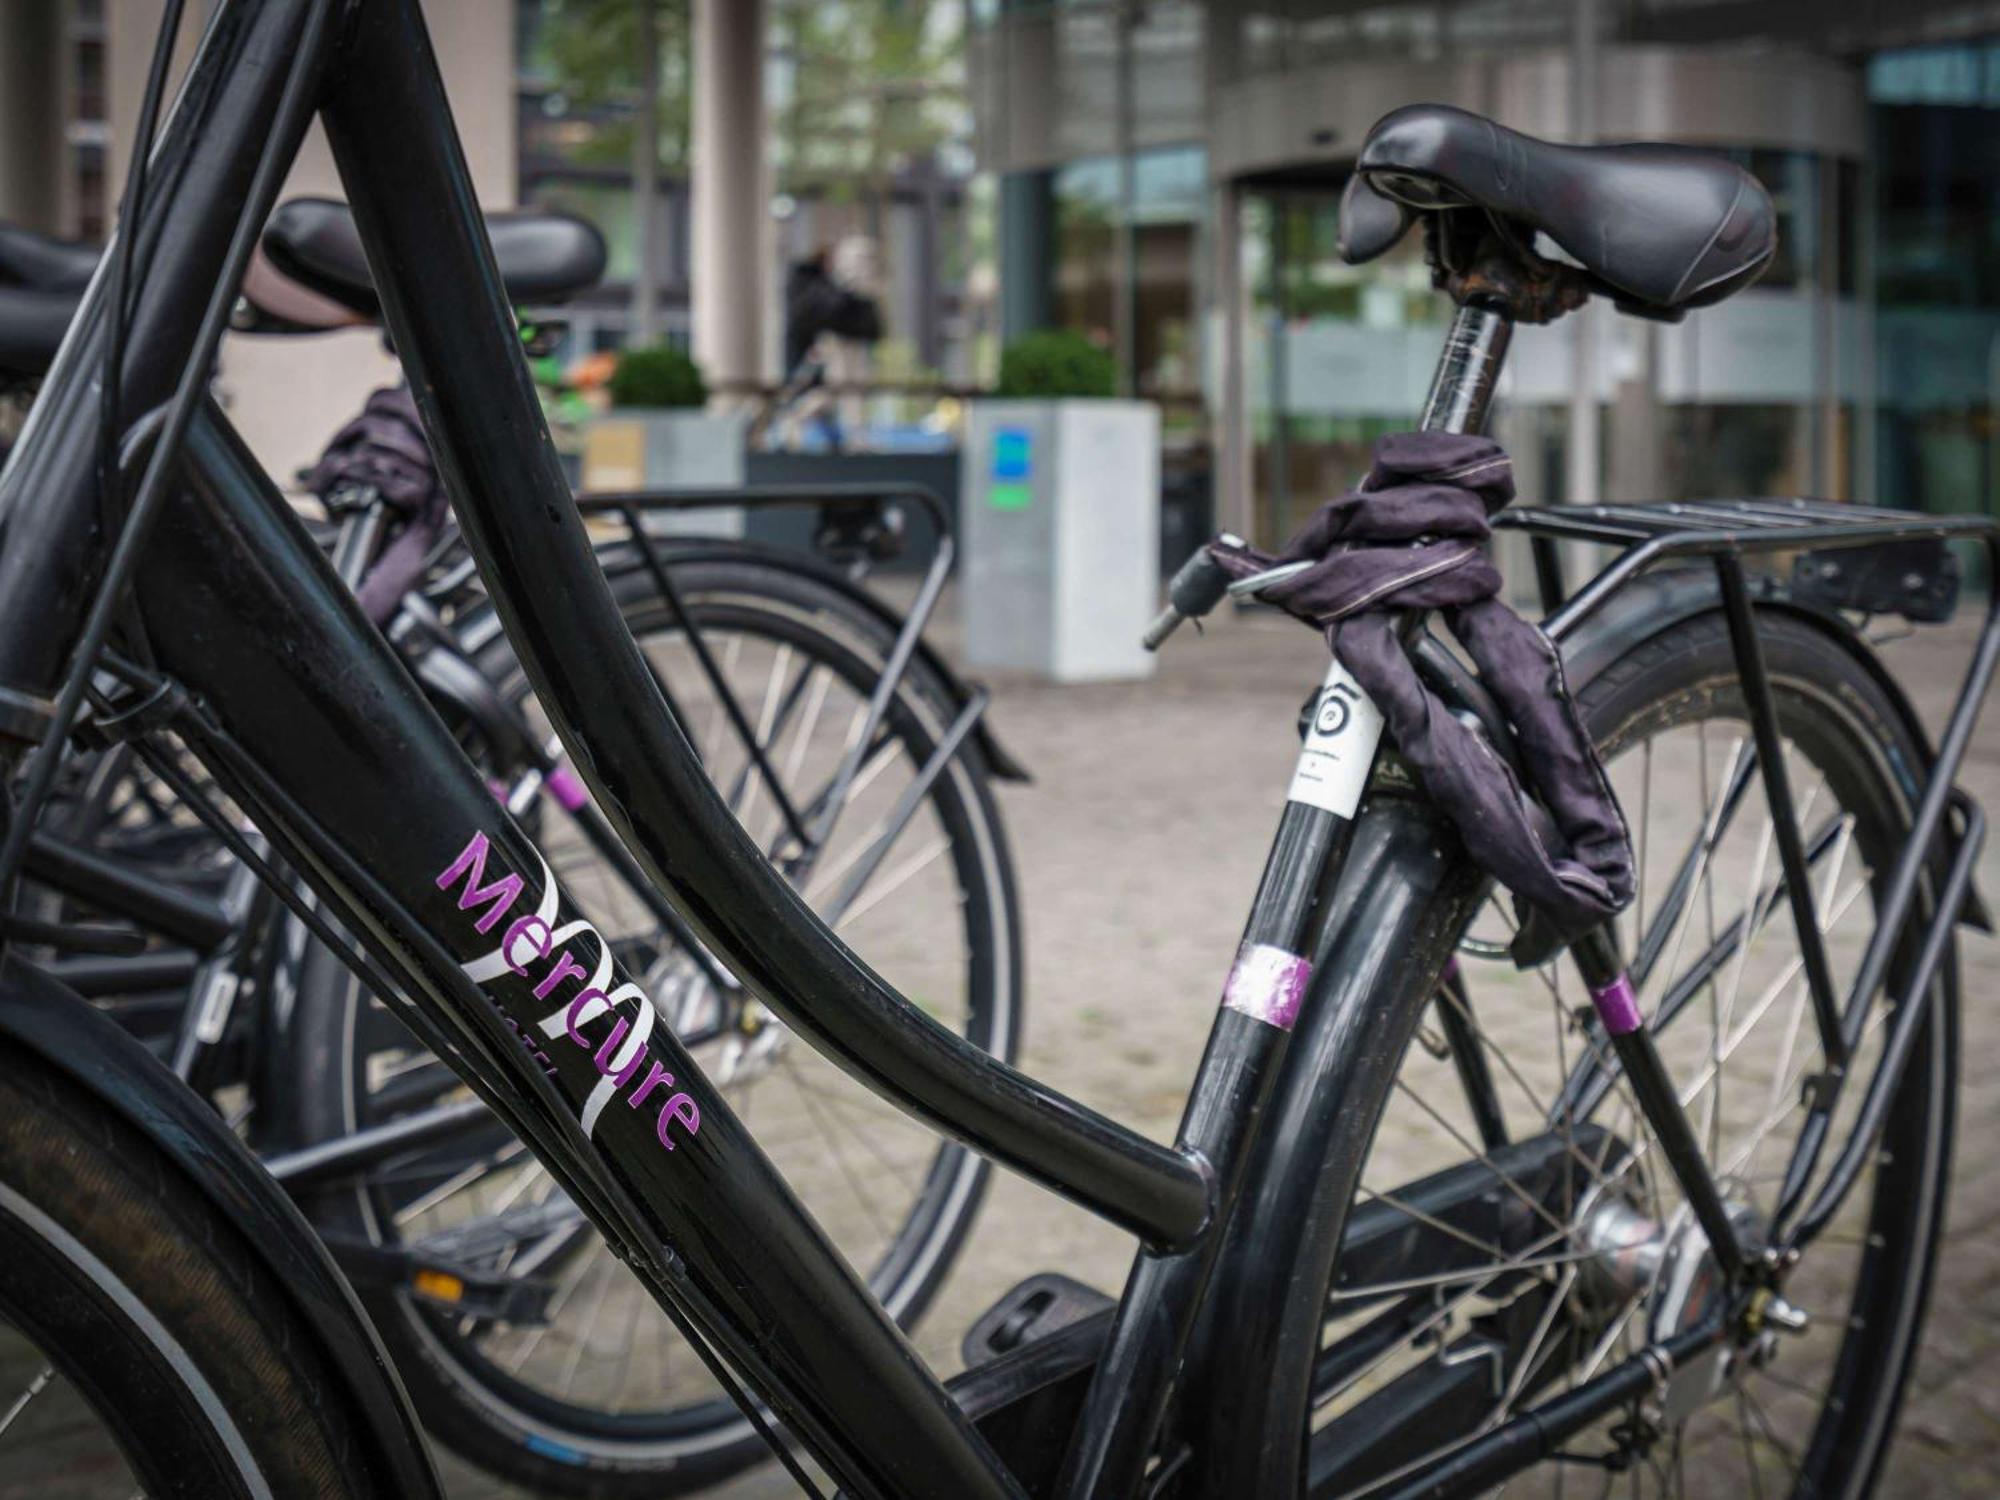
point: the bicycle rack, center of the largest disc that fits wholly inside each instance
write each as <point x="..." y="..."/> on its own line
<point x="1722" y="534"/>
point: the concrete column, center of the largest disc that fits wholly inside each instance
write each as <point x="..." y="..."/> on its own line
<point x="731" y="217"/>
<point x="31" y="131"/>
<point x="1125" y="280"/>
<point x="646" y="181"/>
<point x="1633" y="470"/>
<point x="1583" y="455"/>
<point x="1229" y="304"/>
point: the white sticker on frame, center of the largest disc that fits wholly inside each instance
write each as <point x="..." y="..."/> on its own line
<point x="1339" y="748"/>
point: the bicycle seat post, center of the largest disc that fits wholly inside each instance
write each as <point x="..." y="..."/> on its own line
<point x="1468" y="369"/>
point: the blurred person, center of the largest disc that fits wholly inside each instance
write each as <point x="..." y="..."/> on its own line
<point x="832" y="322"/>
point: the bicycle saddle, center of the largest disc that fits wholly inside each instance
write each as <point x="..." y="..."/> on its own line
<point x="41" y="281"/>
<point x="42" y="264"/>
<point x="543" y="257"/>
<point x="1660" y="228"/>
<point x="32" y="324"/>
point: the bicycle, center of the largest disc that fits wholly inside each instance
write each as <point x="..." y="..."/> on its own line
<point x="1203" y="1378"/>
<point x="483" y="1280"/>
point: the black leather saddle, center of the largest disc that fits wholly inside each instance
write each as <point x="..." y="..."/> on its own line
<point x="312" y="243"/>
<point x="543" y="257"/>
<point x="32" y="325"/>
<point x="41" y="281"/>
<point x="1659" y="229"/>
<point x="41" y="264"/>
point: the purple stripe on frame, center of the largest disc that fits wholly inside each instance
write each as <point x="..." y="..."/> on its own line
<point x="566" y="789"/>
<point x="1267" y="983"/>
<point x="1618" y="1006"/>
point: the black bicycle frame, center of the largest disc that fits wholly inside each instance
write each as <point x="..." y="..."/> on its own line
<point x="306" y="717"/>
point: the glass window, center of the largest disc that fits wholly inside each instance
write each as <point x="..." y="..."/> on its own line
<point x="1937" y="276"/>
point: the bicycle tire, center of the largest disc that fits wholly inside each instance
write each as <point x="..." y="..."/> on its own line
<point x="1832" y="706"/>
<point x="143" y="1297"/>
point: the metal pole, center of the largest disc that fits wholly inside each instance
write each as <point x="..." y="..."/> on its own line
<point x="1125" y="283"/>
<point x="646" y="178"/>
<point x="1583" y="459"/>
<point x="729" y="281"/>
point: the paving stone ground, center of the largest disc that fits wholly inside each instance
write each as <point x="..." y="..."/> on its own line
<point x="1138" y="846"/>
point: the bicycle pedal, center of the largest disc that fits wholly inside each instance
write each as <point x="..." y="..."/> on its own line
<point x="450" y="1286"/>
<point x="1032" y="1310"/>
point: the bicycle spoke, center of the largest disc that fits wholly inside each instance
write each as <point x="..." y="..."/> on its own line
<point x="1368" y="1194"/>
<point x="1770" y="1431"/>
<point x="457" y="1183"/>
<point x="880" y="888"/>
<point x="580" y="1343"/>
<point x="1480" y="1156"/>
<point x="41" y="1381"/>
<point x="824" y="1136"/>
<point x="825" y="872"/>
<point x="1750" y="1463"/>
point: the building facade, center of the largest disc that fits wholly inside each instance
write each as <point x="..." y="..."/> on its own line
<point x="1171" y="173"/>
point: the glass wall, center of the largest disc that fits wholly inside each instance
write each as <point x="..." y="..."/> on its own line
<point x="1095" y="110"/>
<point x="1167" y="197"/>
<point x="1335" y="355"/>
<point x="870" y="145"/>
<point x="1936" y="118"/>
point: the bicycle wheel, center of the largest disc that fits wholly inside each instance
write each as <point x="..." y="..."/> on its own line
<point x="144" y="1348"/>
<point x="1589" y="1254"/>
<point x="599" y="1396"/>
<point x="110" y="806"/>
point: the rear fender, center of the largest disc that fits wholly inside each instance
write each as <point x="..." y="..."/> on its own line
<point x="1659" y="601"/>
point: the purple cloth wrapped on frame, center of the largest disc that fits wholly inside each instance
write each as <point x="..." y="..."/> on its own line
<point x="384" y="450"/>
<point x="1411" y="537"/>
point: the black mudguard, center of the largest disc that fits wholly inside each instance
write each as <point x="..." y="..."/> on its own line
<point x="48" y="1019"/>
<point x="1658" y="601"/>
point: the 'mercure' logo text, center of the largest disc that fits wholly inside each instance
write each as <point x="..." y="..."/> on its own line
<point x="533" y="947"/>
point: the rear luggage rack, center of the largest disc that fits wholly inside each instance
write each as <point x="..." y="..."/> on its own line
<point x="1912" y="571"/>
<point x="1728" y="530"/>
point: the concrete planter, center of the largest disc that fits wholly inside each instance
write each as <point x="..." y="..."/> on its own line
<point x="634" y="448"/>
<point x="1060" y="515"/>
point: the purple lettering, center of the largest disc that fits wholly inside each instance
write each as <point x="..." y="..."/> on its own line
<point x="564" y="968"/>
<point x="575" y="1017"/>
<point x="607" y="1055"/>
<point x="621" y="1057"/>
<point x="657" y="1076"/>
<point x="535" y="930"/>
<point x="471" y="864"/>
<point x="681" y="1108"/>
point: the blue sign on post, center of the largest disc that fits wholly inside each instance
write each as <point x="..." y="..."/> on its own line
<point x="1013" y="467"/>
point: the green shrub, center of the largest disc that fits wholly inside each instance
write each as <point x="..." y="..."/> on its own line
<point x="659" y="376"/>
<point x="1056" y="362"/>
